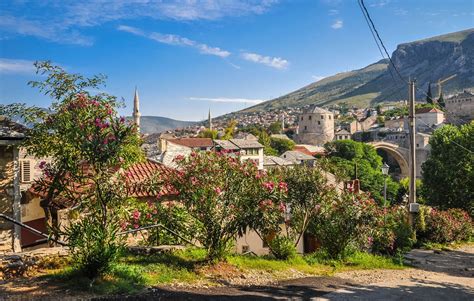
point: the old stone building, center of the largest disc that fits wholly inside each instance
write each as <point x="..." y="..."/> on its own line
<point x="460" y="108"/>
<point x="11" y="135"/>
<point x="315" y="126"/>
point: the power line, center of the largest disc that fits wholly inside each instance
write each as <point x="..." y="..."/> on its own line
<point x="380" y="39"/>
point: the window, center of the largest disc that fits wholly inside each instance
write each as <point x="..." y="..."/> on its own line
<point x="305" y="127"/>
<point x="301" y="117"/>
<point x="329" y="117"/>
<point x="25" y="171"/>
<point x="310" y="117"/>
<point x="319" y="122"/>
<point x="322" y="116"/>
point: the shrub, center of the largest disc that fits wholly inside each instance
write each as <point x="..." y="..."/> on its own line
<point x="341" y="222"/>
<point x="391" y="231"/>
<point x="220" y="194"/>
<point x="282" y="248"/>
<point x="93" y="246"/>
<point x="445" y="226"/>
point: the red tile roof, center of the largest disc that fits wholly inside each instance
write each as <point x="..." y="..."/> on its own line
<point x="138" y="180"/>
<point x="193" y="142"/>
<point x="304" y="150"/>
<point x="428" y="110"/>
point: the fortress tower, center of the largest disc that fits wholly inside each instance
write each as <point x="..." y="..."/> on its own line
<point x="315" y="126"/>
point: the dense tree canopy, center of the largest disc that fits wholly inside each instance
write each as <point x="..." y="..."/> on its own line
<point x="346" y="156"/>
<point x="448" y="174"/>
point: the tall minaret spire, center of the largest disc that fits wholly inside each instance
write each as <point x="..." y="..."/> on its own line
<point x="136" y="110"/>
<point x="209" y="120"/>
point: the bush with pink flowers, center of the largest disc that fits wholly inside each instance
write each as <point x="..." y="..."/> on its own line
<point x="444" y="226"/>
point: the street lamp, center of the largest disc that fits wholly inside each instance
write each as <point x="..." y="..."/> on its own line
<point x="385" y="169"/>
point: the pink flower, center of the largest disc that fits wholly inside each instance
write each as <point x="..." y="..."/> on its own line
<point x="269" y="186"/>
<point x="148" y="216"/>
<point x="282" y="207"/>
<point x="283" y="186"/>
<point x="218" y="190"/>
<point x="42" y="164"/>
<point x="155" y="211"/>
<point x="136" y="226"/>
<point x="136" y="214"/>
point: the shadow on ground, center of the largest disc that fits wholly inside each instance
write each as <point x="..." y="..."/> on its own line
<point x="456" y="263"/>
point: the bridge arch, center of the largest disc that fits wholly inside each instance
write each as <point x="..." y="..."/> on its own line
<point x="399" y="154"/>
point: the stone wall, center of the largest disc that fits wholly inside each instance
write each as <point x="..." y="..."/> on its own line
<point x="6" y="198"/>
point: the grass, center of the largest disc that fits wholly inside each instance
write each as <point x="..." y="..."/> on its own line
<point x="133" y="273"/>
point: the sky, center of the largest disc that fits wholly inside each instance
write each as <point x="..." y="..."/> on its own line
<point x="189" y="56"/>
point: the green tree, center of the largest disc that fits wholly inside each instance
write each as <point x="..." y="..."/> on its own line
<point x="229" y="130"/>
<point x="448" y="174"/>
<point x="274" y="128"/>
<point x="429" y="96"/>
<point x="441" y="102"/>
<point x="207" y="133"/>
<point x="348" y="155"/>
<point x="87" y="143"/>
<point x="281" y="145"/>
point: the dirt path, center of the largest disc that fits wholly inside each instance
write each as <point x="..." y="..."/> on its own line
<point x="439" y="275"/>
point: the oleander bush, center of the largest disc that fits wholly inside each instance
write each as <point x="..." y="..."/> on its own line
<point x="444" y="226"/>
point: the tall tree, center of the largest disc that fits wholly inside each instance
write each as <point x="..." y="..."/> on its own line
<point x="448" y="174"/>
<point x="441" y="101"/>
<point x="429" y="96"/>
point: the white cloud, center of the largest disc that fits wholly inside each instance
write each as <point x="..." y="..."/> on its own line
<point x="14" y="66"/>
<point x="338" y="24"/>
<point x="172" y="39"/>
<point x="224" y="99"/>
<point x="379" y="3"/>
<point x="61" y="21"/>
<point x="274" y="62"/>
<point x="317" y="77"/>
<point x="333" y="12"/>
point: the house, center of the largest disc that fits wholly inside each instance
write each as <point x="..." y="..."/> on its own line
<point x="246" y="149"/>
<point x="342" y="135"/>
<point x="427" y="119"/>
<point x="11" y="135"/>
<point x="137" y="182"/>
<point x="310" y="150"/>
<point x="270" y="162"/>
<point x="280" y="136"/>
<point x="245" y="136"/>
<point x="298" y="158"/>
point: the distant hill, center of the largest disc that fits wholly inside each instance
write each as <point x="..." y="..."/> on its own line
<point x="427" y="60"/>
<point x="157" y="124"/>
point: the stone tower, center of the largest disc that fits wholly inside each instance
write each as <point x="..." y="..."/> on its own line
<point x="136" y="110"/>
<point x="209" y="120"/>
<point x="315" y="126"/>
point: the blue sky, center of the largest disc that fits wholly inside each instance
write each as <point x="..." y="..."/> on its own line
<point x="187" y="56"/>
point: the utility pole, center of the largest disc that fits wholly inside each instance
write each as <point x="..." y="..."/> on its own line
<point x="412" y="205"/>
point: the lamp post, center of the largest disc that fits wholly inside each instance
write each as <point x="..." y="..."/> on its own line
<point x="385" y="169"/>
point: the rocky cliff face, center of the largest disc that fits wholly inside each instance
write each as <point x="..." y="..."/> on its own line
<point x="426" y="60"/>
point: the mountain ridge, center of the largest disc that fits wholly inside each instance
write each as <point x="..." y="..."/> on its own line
<point x="428" y="60"/>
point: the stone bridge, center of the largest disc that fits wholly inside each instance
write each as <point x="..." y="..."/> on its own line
<point x="400" y="154"/>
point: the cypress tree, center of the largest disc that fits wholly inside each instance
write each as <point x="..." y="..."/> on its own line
<point x="429" y="96"/>
<point x="441" y="100"/>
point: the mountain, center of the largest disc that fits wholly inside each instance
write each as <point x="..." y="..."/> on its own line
<point x="427" y="60"/>
<point x="157" y="124"/>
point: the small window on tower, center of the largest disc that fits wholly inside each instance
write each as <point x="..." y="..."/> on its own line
<point x="319" y="122"/>
<point x="309" y="117"/>
<point x="322" y="116"/>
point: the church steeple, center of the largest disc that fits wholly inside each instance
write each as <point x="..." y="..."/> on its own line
<point x="136" y="110"/>
<point x="209" y="120"/>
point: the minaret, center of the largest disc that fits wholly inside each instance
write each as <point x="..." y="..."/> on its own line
<point x="136" y="110"/>
<point x="209" y="120"/>
<point x="282" y="123"/>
